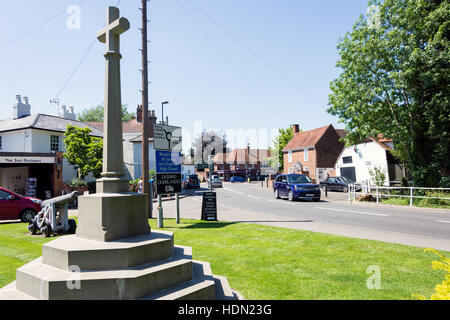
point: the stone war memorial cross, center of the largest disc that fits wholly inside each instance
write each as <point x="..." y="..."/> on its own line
<point x="113" y="255"/>
<point x="112" y="213"/>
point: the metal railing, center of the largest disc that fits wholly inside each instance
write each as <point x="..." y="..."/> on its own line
<point x="380" y="192"/>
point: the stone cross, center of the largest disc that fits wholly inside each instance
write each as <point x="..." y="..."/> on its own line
<point x="112" y="180"/>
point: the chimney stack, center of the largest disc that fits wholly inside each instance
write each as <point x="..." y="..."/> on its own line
<point x="296" y="128"/>
<point x="21" y="109"/>
<point x="139" y="114"/>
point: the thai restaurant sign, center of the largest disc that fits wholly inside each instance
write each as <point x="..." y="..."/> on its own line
<point x="26" y="160"/>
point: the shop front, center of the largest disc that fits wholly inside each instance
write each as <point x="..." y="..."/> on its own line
<point x="32" y="174"/>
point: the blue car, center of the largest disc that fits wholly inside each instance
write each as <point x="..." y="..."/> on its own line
<point x="295" y="186"/>
<point x="191" y="182"/>
<point x="237" y="179"/>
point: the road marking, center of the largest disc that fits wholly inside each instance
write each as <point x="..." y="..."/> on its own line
<point x="443" y="221"/>
<point x="238" y="192"/>
<point x="359" y="212"/>
<point x="253" y="197"/>
<point x="228" y="189"/>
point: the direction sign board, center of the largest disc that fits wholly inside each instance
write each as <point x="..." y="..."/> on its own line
<point x="168" y="172"/>
<point x="166" y="137"/>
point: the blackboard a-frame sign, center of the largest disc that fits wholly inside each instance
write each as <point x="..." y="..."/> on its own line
<point x="209" y="206"/>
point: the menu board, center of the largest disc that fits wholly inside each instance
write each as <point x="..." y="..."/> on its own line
<point x="209" y="206"/>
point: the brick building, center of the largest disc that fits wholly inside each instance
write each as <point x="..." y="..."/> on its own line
<point x="313" y="152"/>
<point x="244" y="162"/>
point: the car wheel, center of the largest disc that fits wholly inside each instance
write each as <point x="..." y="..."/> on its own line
<point x="291" y="196"/>
<point x="345" y="189"/>
<point x="277" y="195"/>
<point x="27" y="215"/>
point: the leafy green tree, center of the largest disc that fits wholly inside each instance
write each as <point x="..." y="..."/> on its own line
<point x="83" y="151"/>
<point x="395" y="82"/>
<point x="95" y="114"/>
<point x="280" y="141"/>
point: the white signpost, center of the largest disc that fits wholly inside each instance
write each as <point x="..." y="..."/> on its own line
<point x="167" y="138"/>
<point x="168" y="145"/>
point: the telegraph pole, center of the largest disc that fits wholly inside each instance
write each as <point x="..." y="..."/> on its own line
<point x="145" y="135"/>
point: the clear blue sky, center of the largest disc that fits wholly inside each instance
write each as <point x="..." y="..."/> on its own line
<point x="263" y="64"/>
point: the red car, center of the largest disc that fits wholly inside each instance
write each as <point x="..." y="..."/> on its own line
<point x="14" y="206"/>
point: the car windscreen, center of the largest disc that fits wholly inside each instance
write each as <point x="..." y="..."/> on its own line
<point x="298" y="178"/>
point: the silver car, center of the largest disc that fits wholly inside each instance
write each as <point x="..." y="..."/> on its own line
<point x="216" y="182"/>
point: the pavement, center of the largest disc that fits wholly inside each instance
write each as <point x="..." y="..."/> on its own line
<point x="254" y="203"/>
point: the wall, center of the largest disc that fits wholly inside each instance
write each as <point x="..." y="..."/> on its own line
<point x="17" y="141"/>
<point x="300" y="157"/>
<point x="370" y="155"/>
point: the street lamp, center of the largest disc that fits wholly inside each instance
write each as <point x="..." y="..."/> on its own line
<point x="162" y="110"/>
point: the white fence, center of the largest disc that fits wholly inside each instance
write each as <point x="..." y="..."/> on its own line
<point x="385" y="192"/>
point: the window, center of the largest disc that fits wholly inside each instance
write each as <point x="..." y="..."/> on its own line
<point x="347" y="160"/>
<point x="289" y="156"/>
<point x="4" y="195"/>
<point x="54" y="143"/>
<point x="305" y="151"/>
<point x="0" y="142"/>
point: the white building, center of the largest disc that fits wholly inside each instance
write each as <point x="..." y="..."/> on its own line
<point x="132" y="143"/>
<point x="355" y="162"/>
<point x="31" y="146"/>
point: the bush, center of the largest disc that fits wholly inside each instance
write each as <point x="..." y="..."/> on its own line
<point x="77" y="182"/>
<point x="442" y="290"/>
<point x="134" y="185"/>
<point x="435" y="202"/>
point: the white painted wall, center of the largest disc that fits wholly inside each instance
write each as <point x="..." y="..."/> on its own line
<point x="17" y="141"/>
<point x="370" y="155"/>
<point x="187" y="169"/>
<point x="132" y="154"/>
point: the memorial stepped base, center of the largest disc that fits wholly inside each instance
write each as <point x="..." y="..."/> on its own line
<point x="144" y="267"/>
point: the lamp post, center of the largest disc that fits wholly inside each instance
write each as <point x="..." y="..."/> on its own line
<point x="162" y="110"/>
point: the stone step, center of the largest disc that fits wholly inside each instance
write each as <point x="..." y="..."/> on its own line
<point x="201" y="287"/>
<point x="10" y="292"/>
<point x="84" y="254"/>
<point x="45" y="282"/>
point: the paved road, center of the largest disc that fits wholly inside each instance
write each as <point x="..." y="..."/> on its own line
<point x="252" y="203"/>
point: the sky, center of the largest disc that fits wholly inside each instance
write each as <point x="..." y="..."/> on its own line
<point x="229" y="65"/>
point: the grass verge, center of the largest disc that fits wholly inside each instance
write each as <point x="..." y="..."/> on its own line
<point x="265" y="262"/>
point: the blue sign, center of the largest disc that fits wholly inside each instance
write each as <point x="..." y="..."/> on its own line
<point x="168" y="162"/>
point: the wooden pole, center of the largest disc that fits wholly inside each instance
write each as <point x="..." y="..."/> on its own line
<point x="145" y="134"/>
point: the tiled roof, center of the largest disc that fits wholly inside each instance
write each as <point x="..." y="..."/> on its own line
<point x="243" y="156"/>
<point x="132" y="126"/>
<point x="45" y="122"/>
<point x="306" y="139"/>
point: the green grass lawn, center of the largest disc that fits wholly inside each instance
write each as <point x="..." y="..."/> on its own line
<point x="274" y="263"/>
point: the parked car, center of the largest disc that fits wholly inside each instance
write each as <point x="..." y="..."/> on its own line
<point x="14" y="206"/>
<point x="216" y="182"/>
<point x="338" y="184"/>
<point x="295" y="186"/>
<point x="191" y="182"/>
<point x="237" y="179"/>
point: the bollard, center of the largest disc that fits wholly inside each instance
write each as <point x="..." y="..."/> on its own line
<point x="177" y="198"/>
<point x="160" y="212"/>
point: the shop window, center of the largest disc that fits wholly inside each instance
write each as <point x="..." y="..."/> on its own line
<point x="54" y="143"/>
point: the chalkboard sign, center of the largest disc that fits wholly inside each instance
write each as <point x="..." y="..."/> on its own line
<point x="209" y="206"/>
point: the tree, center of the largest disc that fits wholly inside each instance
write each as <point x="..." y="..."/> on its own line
<point x="395" y="82"/>
<point x="95" y="114"/>
<point x="276" y="153"/>
<point x="83" y="151"/>
<point x="209" y="142"/>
